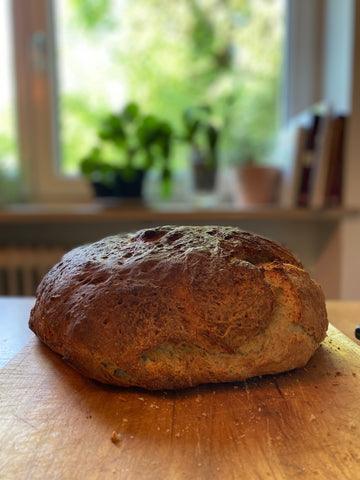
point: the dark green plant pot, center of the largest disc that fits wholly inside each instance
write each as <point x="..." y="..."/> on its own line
<point x="122" y="189"/>
<point x="129" y="188"/>
<point x="101" y="190"/>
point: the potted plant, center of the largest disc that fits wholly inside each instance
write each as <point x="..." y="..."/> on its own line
<point x="129" y="144"/>
<point x="202" y="134"/>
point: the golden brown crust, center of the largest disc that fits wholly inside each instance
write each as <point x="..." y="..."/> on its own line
<point x="172" y="307"/>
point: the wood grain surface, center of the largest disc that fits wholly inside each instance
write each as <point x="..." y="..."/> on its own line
<point x="14" y="330"/>
<point x="304" y="424"/>
<point x="345" y="316"/>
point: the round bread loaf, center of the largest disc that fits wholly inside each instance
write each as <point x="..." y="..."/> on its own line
<point x="173" y="307"/>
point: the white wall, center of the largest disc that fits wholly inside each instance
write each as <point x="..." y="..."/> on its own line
<point x="338" y="53"/>
<point x="319" y="56"/>
<point x="303" y="56"/>
<point x="350" y="241"/>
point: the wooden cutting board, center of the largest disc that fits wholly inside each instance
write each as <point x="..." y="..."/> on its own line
<point x="304" y="424"/>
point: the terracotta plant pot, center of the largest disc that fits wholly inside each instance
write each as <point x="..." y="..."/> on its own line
<point x="259" y="185"/>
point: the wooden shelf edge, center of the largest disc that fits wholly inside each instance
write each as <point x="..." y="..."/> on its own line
<point x="96" y="212"/>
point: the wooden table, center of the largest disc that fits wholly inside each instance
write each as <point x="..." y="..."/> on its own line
<point x="14" y="332"/>
<point x="56" y="424"/>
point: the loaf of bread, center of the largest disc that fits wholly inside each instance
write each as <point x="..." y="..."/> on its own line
<point x="174" y="307"/>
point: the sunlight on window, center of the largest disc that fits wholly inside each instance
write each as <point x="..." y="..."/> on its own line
<point x="9" y="167"/>
<point x="167" y="57"/>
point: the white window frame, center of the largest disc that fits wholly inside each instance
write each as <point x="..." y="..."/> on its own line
<point x="36" y="107"/>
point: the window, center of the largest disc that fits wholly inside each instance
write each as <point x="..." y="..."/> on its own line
<point x="85" y="60"/>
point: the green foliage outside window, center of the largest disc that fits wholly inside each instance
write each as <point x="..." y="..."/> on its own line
<point x="169" y="56"/>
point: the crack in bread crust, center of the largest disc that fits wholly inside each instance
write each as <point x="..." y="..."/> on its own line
<point x="201" y="304"/>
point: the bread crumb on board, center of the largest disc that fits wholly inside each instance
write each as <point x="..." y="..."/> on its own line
<point x="115" y="437"/>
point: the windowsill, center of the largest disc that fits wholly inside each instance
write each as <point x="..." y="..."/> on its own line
<point x="97" y="212"/>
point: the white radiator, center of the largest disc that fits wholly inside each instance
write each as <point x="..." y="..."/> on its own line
<point x="22" y="268"/>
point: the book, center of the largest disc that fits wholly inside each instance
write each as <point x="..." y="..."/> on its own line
<point x="321" y="163"/>
<point x="308" y="160"/>
<point x="291" y="176"/>
<point x="326" y="184"/>
<point x="334" y="178"/>
<point x="288" y="154"/>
